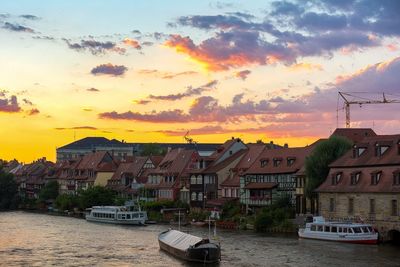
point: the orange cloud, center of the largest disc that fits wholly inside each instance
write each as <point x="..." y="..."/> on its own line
<point x="132" y="43"/>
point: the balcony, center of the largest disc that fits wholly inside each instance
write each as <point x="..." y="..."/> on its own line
<point x="257" y="201"/>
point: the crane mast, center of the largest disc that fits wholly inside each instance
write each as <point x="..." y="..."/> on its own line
<point x="361" y="101"/>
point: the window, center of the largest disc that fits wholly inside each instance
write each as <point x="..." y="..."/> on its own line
<point x="372" y="205"/>
<point x="277" y="162"/>
<point x="394" y="207"/>
<point x="264" y="162"/>
<point x="193" y="179"/>
<point x="200" y="197"/>
<point x="313" y="228"/>
<point x="290" y="161"/>
<point x="344" y="230"/>
<point x="336" y="178"/>
<point x="327" y="229"/>
<point x="375" y="177"/>
<point x="380" y="149"/>
<point x="357" y="230"/>
<point x="199" y="179"/>
<point x="320" y="228"/>
<point x="355" y="177"/>
<point x="340" y="229"/>
<point x="331" y="205"/>
<point x="194" y="196"/>
<point x="351" y="206"/>
<point x="365" y="229"/>
<point x="128" y="216"/>
<point x="396" y="177"/>
<point x="334" y="229"/>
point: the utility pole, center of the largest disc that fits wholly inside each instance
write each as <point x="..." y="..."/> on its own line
<point x="352" y="98"/>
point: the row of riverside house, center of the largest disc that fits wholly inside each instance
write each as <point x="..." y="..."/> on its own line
<point x="364" y="183"/>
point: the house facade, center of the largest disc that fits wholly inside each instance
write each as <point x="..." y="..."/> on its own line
<point x="364" y="185"/>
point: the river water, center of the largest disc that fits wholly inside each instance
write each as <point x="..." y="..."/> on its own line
<point x="28" y="239"/>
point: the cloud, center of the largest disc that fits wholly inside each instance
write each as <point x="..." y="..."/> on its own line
<point x="87" y="109"/>
<point x="33" y="111"/>
<point x="166" y="75"/>
<point x="141" y="102"/>
<point x="242" y="74"/>
<point x="109" y="69"/>
<point x="190" y="91"/>
<point x="95" y="90"/>
<point x="31" y="17"/>
<point x="9" y="105"/>
<point x="28" y="102"/>
<point x="95" y="47"/>
<point x="132" y="43"/>
<point x="77" y="128"/>
<point x="156" y="117"/>
<point x="17" y="28"/>
<point x="306" y="66"/>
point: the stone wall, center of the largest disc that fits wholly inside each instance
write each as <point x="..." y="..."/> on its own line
<point x="382" y="219"/>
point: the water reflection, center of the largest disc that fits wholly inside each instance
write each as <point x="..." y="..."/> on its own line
<point x="28" y="239"/>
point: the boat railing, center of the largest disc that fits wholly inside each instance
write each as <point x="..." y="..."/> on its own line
<point x="347" y="219"/>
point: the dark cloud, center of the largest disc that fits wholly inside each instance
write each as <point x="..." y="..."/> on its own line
<point x="17" y="28"/>
<point x="28" y="102"/>
<point x="291" y="30"/>
<point x="188" y="93"/>
<point x="95" y="47"/>
<point x="33" y="112"/>
<point x="156" y="117"/>
<point x="142" y="102"/>
<point x="174" y="75"/>
<point x="31" y="17"/>
<point x="109" y="69"/>
<point x="93" y="90"/>
<point x="44" y="37"/>
<point x="9" y="105"/>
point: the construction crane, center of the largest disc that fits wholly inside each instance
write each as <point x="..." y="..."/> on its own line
<point x="361" y="101"/>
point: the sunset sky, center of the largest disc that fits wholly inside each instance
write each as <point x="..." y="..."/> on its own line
<point x="149" y="71"/>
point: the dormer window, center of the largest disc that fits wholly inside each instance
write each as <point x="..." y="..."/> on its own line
<point x="380" y="149"/>
<point x="277" y="162"/>
<point x="375" y="177"/>
<point x="358" y="151"/>
<point x="396" y="177"/>
<point x="336" y="177"/>
<point x="355" y="178"/>
<point x="264" y="162"/>
<point x="290" y="161"/>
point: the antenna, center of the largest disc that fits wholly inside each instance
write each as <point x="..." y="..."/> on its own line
<point x="188" y="139"/>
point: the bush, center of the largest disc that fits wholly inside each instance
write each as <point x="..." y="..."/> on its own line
<point x="66" y="202"/>
<point x="263" y="221"/>
<point x="96" y="196"/>
<point x="158" y="205"/>
<point x="230" y="209"/>
<point x="198" y="215"/>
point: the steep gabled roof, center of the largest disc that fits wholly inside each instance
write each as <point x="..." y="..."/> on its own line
<point x="93" y="160"/>
<point x="92" y="142"/>
<point x="354" y="134"/>
<point x="368" y="157"/>
<point x="132" y="168"/>
<point x="296" y="154"/>
<point x="217" y="167"/>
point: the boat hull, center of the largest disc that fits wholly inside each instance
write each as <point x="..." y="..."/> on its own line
<point x="113" y="221"/>
<point x="370" y="239"/>
<point x="201" y="250"/>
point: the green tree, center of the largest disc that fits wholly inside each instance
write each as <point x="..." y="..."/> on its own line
<point x="49" y="191"/>
<point x="66" y="202"/>
<point x="96" y="196"/>
<point x="152" y="149"/>
<point x="8" y="191"/>
<point x="317" y="164"/>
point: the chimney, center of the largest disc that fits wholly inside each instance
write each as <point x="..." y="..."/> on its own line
<point x="286" y="145"/>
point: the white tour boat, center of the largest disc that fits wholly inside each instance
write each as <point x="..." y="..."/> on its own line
<point x="358" y="233"/>
<point x="116" y="215"/>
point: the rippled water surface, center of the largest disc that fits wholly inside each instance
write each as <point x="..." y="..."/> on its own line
<point x="28" y="239"/>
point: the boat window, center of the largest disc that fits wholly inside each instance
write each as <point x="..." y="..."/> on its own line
<point x="119" y="216"/>
<point x="370" y="229"/>
<point x="334" y="229"/>
<point x="313" y="228"/>
<point x="112" y="216"/>
<point x="344" y="230"/>
<point x="365" y="229"/>
<point x="327" y="229"/>
<point x="128" y="216"/>
<point x="339" y="229"/>
<point x="357" y="230"/>
<point x="320" y="228"/>
<point x="123" y="216"/>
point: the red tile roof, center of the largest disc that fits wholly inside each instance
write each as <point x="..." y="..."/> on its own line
<point x="354" y="134"/>
<point x="367" y="164"/>
<point x="299" y="155"/>
<point x="252" y="153"/>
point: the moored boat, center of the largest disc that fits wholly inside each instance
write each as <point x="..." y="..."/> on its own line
<point x="189" y="247"/>
<point x="358" y="233"/>
<point x="116" y="215"/>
